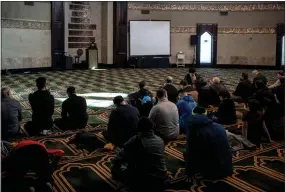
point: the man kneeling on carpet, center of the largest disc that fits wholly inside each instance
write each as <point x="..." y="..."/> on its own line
<point x="140" y="165"/>
<point x="165" y="117"/>
<point x="74" y="112"/>
<point x="207" y="148"/>
<point x="122" y="123"/>
<point x="42" y="104"/>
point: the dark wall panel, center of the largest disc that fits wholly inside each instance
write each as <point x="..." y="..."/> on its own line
<point x="280" y="31"/>
<point x="57" y="32"/>
<point x="120" y="29"/>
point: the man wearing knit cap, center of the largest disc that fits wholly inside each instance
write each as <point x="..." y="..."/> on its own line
<point x="143" y="160"/>
<point x="207" y="149"/>
<point x="172" y="92"/>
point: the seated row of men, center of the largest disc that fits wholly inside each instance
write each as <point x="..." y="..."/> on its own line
<point x="142" y="140"/>
<point x="74" y="112"/>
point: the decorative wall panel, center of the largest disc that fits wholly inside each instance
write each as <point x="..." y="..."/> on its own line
<point x="82" y="26"/>
<point x="208" y="7"/>
<point x="79" y="7"/>
<point x="24" y="24"/>
<point x="80" y="14"/>
<point x="229" y="30"/>
<point x="78" y="45"/>
<point x="81" y="39"/>
<point x="80" y="33"/>
<point x="80" y="20"/>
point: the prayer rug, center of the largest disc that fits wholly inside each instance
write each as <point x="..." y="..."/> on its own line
<point x="87" y="169"/>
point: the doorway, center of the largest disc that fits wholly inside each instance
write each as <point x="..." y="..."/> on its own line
<point x="206" y="54"/>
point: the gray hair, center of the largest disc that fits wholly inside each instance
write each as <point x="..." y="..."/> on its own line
<point x="216" y="80"/>
<point x="254" y="72"/>
<point x="5" y="91"/>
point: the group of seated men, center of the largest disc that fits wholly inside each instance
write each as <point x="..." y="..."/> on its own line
<point x="207" y="149"/>
<point x="74" y="112"/>
<point x="142" y="129"/>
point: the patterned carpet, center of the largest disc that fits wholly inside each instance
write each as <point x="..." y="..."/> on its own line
<point x="84" y="170"/>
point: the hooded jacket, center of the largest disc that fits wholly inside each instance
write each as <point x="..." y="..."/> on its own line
<point x="207" y="149"/>
<point x="185" y="107"/>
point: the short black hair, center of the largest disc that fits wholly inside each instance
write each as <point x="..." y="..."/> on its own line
<point x="260" y="84"/>
<point x="118" y="100"/>
<point x="244" y="75"/>
<point x="192" y="70"/>
<point x="70" y="90"/>
<point x="183" y="82"/>
<point x="199" y="110"/>
<point x="145" y="124"/>
<point x="160" y="93"/>
<point x="41" y="82"/>
<point x="142" y="84"/>
<point x="280" y="73"/>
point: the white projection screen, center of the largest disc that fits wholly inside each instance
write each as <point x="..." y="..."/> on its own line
<point x="149" y="38"/>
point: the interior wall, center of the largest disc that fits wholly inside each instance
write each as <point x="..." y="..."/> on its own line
<point x="245" y="37"/>
<point x="86" y="20"/>
<point x="96" y="19"/>
<point x="26" y="35"/>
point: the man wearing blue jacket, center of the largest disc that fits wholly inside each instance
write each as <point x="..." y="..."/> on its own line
<point x="185" y="107"/>
<point x="207" y="149"/>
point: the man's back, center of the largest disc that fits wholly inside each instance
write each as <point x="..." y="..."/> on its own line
<point x="10" y="116"/>
<point x="122" y="124"/>
<point x="244" y="89"/>
<point x="166" y="119"/>
<point x="144" y="156"/>
<point x="185" y="107"/>
<point x="259" y="77"/>
<point x="208" y="150"/>
<point x="42" y="103"/>
<point x="76" y="108"/>
<point x="172" y="92"/>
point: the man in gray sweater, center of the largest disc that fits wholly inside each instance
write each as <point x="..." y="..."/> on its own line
<point x="165" y="117"/>
<point x="11" y="115"/>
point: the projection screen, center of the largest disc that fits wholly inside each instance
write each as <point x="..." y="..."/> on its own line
<point x="149" y="38"/>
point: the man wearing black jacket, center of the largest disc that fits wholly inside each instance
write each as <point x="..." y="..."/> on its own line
<point x="172" y="92"/>
<point x="74" y="112"/>
<point x="244" y="89"/>
<point x="42" y="103"/>
<point x="258" y="77"/>
<point x="122" y="123"/>
<point x="140" y="164"/>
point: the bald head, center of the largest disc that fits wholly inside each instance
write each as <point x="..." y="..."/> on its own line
<point x="216" y="80"/>
<point x="5" y="92"/>
<point x="255" y="72"/>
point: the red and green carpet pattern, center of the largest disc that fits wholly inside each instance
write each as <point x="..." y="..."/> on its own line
<point x="87" y="169"/>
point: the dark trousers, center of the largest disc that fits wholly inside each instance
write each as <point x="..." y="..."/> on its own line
<point x="35" y="129"/>
<point x="70" y="125"/>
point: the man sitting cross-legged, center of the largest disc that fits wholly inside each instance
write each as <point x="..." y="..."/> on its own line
<point x="207" y="148"/>
<point x="185" y="107"/>
<point x="165" y="117"/>
<point x="172" y="92"/>
<point x="11" y="115"/>
<point x="122" y="123"/>
<point x="42" y="103"/>
<point x="74" y="112"/>
<point x="140" y="164"/>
